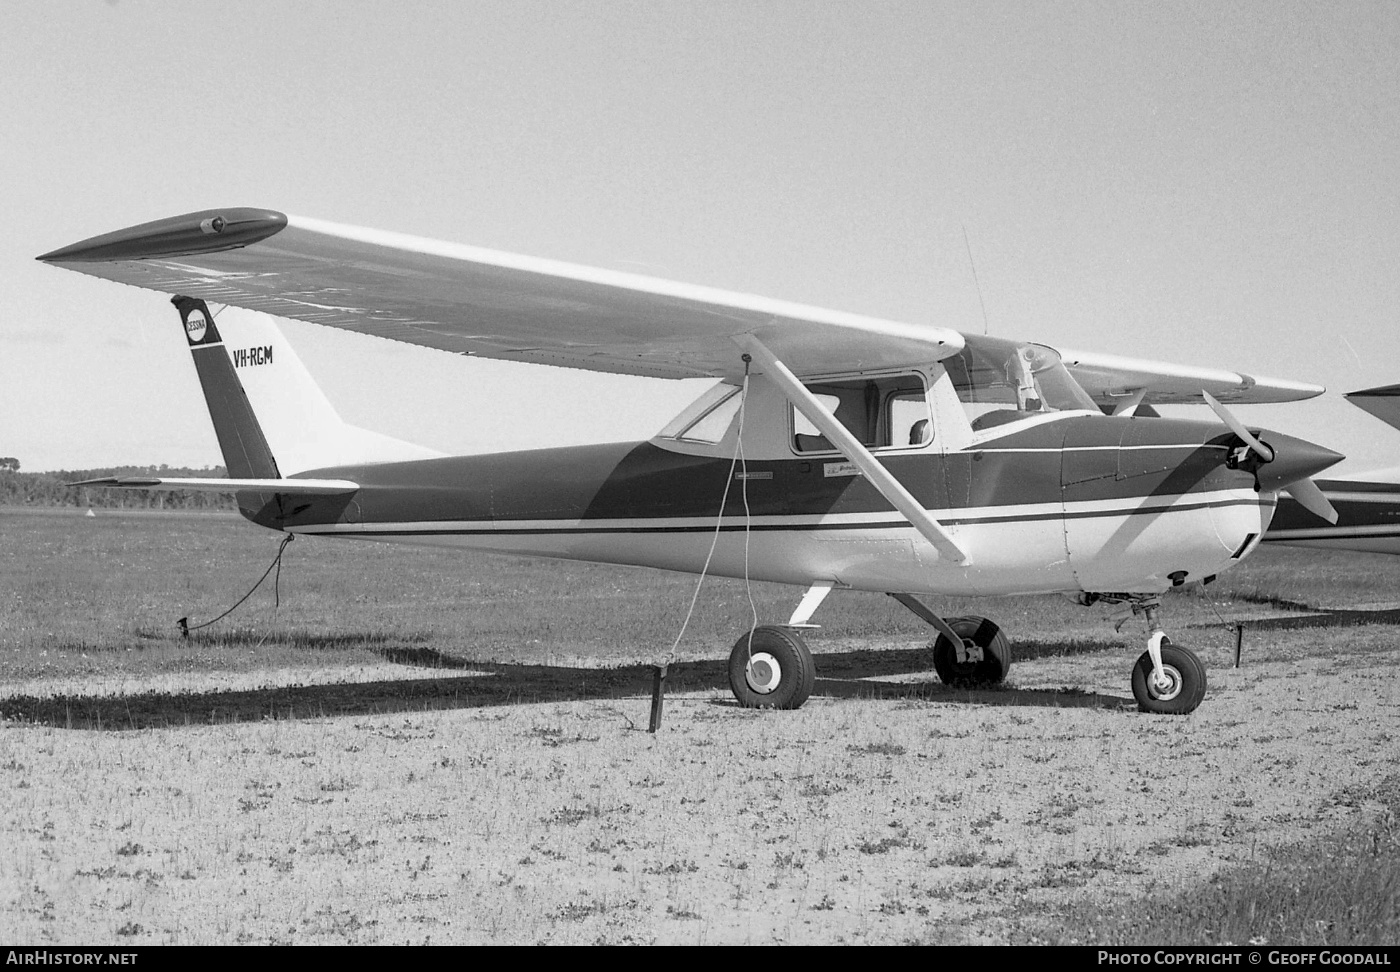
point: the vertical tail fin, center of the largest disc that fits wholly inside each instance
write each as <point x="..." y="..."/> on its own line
<point x="241" y="440"/>
<point x="270" y="416"/>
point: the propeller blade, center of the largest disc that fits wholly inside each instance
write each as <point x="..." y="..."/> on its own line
<point x="1237" y="427"/>
<point x="1312" y="499"/>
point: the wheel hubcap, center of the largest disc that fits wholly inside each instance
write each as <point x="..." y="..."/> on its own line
<point x="1170" y="685"/>
<point x="763" y="673"/>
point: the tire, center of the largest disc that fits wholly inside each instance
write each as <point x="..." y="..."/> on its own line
<point x="782" y="673"/>
<point x="996" y="654"/>
<point x="1188" y="681"/>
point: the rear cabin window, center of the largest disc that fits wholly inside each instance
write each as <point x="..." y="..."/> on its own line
<point x="882" y="413"/>
<point x="712" y="426"/>
<point x="708" y="418"/>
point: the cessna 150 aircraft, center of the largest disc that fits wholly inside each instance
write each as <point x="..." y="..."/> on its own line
<point x="834" y="450"/>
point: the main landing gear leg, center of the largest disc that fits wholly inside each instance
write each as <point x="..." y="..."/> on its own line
<point x="968" y="652"/>
<point x="1167" y="679"/>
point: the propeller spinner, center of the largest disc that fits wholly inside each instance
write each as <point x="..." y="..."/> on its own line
<point x="1287" y="464"/>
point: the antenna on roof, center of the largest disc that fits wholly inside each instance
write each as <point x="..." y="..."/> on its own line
<point x="985" y="326"/>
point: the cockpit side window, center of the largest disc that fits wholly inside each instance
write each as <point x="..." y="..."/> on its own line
<point x="889" y="412"/>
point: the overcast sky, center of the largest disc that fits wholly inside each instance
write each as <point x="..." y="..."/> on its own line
<point x="1204" y="183"/>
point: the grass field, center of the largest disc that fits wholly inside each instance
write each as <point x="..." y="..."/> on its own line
<point x="419" y="745"/>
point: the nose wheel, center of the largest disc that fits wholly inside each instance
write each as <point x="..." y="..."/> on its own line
<point x="1177" y="689"/>
<point x="1168" y="679"/>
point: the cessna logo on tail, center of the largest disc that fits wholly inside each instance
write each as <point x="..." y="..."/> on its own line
<point x="244" y="357"/>
<point x="196" y="324"/>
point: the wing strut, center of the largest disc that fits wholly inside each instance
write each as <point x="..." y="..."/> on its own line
<point x="880" y="477"/>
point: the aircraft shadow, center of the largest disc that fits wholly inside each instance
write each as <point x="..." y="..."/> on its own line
<point x="1327" y="618"/>
<point x="854" y="674"/>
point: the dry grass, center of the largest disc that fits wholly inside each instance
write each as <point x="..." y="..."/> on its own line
<point x="444" y="748"/>
<point x="1340" y="889"/>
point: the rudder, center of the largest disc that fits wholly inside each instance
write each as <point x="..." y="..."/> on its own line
<point x="247" y="454"/>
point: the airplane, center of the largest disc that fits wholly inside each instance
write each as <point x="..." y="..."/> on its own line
<point x="833" y="451"/>
<point x="1367" y="505"/>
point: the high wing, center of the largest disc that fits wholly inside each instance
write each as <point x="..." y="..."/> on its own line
<point x="1111" y="380"/>
<point x="475" y="301"/>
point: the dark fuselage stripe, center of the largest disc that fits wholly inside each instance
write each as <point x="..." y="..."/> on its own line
<point x="1079" y="464"/>
<point x="468" y="530"/>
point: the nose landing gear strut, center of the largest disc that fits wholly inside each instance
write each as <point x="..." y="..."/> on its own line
<point x="1168" y="679"/>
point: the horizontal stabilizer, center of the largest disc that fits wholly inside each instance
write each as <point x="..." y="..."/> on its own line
<point x="1383" y="403"/>
<point x="301" y="487"/>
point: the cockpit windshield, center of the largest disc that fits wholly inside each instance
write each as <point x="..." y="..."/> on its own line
<point x="1000" y="381"/>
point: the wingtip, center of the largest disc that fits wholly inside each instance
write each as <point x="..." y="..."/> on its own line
<point x="208" y="231"/>
<point x="103" y="481"/>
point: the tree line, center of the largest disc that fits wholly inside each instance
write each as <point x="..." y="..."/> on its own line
<point x="48" y="489"/>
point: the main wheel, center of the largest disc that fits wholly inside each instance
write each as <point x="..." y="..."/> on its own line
<point x="1185" y="686"/>
<point x="979" y="632"/>
<point x="771" y="668"/>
